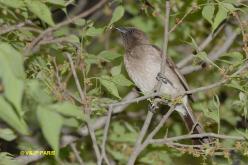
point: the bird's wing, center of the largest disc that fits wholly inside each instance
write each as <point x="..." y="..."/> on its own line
<point x="174" y="69"/>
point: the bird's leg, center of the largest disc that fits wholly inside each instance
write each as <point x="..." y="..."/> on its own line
<point x="153" y="106"/>
<point x="163" y="78"/>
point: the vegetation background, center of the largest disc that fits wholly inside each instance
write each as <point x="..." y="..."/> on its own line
<point x="61" y="70"/>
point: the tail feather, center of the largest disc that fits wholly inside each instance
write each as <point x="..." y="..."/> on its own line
<point x="192" y="125"/>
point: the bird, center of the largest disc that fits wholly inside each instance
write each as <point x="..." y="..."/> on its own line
<point x="142" y="61"/>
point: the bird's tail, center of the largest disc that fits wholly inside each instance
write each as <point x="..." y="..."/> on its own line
<point x="192" y="125"/>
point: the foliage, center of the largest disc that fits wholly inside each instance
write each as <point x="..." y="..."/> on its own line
<point x="39" y="97"/>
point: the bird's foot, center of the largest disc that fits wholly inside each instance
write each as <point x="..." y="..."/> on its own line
<point x="163" y="78"/>
<point x="153" y="106"/>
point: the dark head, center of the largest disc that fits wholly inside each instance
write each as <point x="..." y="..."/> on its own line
<point x="132" y="37"/>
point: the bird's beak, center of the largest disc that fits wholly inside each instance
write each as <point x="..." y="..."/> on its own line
<point x="122" y="30"/>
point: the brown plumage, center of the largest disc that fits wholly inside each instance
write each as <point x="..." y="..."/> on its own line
<point x="142" y="61"/>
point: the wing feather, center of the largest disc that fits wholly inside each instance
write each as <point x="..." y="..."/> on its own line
<point x="174" y="68"/>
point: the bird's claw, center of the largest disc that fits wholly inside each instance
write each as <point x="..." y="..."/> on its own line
<point x="152" y="107"/>
<point x="163" y="78"/>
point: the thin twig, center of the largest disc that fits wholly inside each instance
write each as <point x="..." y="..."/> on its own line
<point x="200" y="89"/>
<point x="181" y="20"/>
<point x="213" y="55"/>
<point x="35" y="42"/>
<point x="135" y="100"/>
<point x="195" y="136"/>
<point x="141" y="137"/>
<point x="245" y="40"/>
<point x="14" y="27"/>
<point x="140" y="148"/>
<point x="75" y="151"/>
<point x="79" y="88"/>
<point x="165" y="45"/>
<point x="201" y="47"/>
<point x="87" y="109"/>
<point x="105" y="134"/>
<point x="55" y="40"/>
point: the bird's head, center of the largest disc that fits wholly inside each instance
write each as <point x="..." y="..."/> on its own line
<point x="132" y="37"/>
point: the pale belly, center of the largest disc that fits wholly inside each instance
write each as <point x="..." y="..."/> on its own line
<point x="144" y="76"/>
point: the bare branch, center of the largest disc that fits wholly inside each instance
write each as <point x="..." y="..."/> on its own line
<point x="201" y="47"/>
<point x="105" y="134"/>
<point x="195" y="136"/>
<point x="14" y="27"/>
<point x="81" y="93"/>
<point x="140" y="138"/>
<point x="165" y="45"/>
<point x="74" y="149"/>
<point x="141" y="147"/>
<point x="181" y="20"/>
<point x="213" y="55"/>
<point x="218" y="83"/>
<point x="87" y="109"/>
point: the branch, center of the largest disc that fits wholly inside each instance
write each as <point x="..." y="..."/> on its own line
<point x="213" y="55"/>
<point x="35" y="42"/>
<point x="140" y="138"/>
<point x="135" y="100"/>
<point x="105" y="134"/>
<point x="74" y="149"/>
<point x="217" y="83"/>
<point x="116" y="109"/>
<point x="195" y="136"/>
<point x="165" y="45"/>
<point x="81" y="93"/>
<point x="141" y="147"/>
<point x="201" y="47"/>
<point x="181" y="20"/>
<point x="14" y="27"/>
<point x="87" y="109"/>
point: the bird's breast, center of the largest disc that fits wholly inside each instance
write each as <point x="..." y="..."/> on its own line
<point x="142" y="72"/>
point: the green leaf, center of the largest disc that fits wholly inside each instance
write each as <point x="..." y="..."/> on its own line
<point x="35" y="90"/>
<point x="7" y="134"/>
<point x="235" y="84"/>
<point x="51" y="124"/>
<point x="71" y="122"/>
<point x="110" y="86"/>
<point x="12" y="75"/>
<point x="72" y="38"/>
<point x="92" y="31"/>
<point x="68" y="109"/>
<point x="13" y="3"/>
<point x="7" y="159"/>
<point x="213" y="109"/>
<point x="203" y="56"/>
<point x="8" y="115"/>
<point x="57" y="2"/>
<point x="117" y="14"/>
<point x="118" y="155"/>
<point x="121" y="80"/>
<point x="116" y="70"/>
<point x="208" y="12"/>
<point x="109" y="55"/>
<point x="220" y="16"/>
<point x="13" y="58"/>
<point x="229" y="7"/>
<point x="40" y="10"/>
